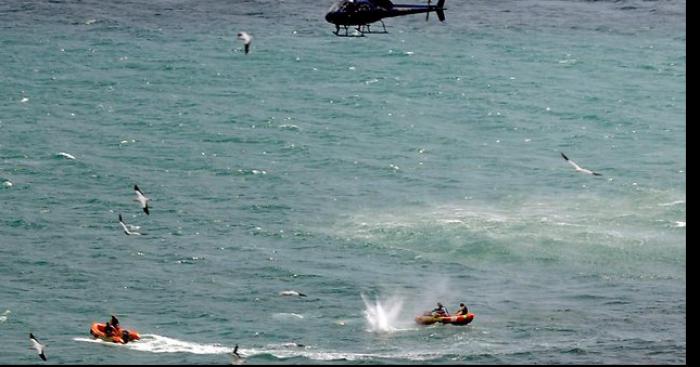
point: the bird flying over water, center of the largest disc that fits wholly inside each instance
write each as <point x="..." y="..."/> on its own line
<point x="578" y="168"/>
<point x="247" y="39"/>
<point x="126" y="229"/>
<point x="38" y="346"/>
<point x="141" y="198"/>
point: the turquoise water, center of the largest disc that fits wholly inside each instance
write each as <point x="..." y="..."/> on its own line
<point x="377" y="175"/>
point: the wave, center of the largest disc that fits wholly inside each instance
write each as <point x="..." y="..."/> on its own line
<point x="288" y="315"/>
<point x="352" y="356"/>
<point x="601" y="231"/>
<point x="5" y="315"/>
<point x="676" y="202"/>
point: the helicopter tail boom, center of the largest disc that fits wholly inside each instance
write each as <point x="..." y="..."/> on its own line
<point x="440" y="11"/>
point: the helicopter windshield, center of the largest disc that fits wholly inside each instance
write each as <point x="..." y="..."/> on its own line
<point x="355" y="5"/>
<point x="340" y="5"/>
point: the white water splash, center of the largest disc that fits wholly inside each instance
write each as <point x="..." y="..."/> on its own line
<point x="4" y="315"/>
<point x="383" y="316"/>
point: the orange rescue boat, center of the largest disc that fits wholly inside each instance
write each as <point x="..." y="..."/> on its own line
<point x="121" y="335"/>
<point x="429" y="319"/>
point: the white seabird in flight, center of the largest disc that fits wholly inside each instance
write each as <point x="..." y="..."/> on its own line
<point x="247" y="39"/>
<point x="126" y="229"/>
<point x="38" y="346"/>
<point x="141" y="198"/>
<point x="578" y="168"/>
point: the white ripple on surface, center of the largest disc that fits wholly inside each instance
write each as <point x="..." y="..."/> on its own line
<point x="287" y="315"/>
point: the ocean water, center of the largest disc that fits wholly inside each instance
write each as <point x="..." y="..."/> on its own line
<point x="377" y="175"/>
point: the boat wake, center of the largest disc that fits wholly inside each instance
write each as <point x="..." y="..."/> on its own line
<point x="162" y="344"/>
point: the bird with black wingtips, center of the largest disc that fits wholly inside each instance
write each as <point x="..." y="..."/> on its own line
<point x="142" y="199"/>
<point x="578" y="168"/>
<point x="126" y="229"/>
<point x="38" y="346"/>
<point x="247" y="39"/>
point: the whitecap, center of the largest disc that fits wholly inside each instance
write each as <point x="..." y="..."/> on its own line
<point x="342" y="356"/>
<point x="451" y="221"/>
<point x="66" y="155"/>
<point x="673" y="203"/>
<point x="289" y="127"/>
<point x="288" y="315"/>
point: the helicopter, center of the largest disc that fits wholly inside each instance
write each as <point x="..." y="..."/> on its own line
<point x="360" y="13"/>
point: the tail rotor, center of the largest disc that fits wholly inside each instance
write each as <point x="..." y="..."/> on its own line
<point x="439" y="9"/>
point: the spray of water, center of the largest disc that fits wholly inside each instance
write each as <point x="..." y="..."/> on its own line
<point x="384" y="316"/>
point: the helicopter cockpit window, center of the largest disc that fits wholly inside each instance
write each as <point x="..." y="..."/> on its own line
<point x="348" y="6"/>
<point x="340" y="5"/>
<point x="363" y="7"/>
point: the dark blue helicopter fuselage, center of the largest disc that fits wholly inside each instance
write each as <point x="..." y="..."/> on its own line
<point x="363" y="12"/>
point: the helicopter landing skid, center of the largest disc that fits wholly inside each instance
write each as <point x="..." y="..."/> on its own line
<point x="361" y="29"/>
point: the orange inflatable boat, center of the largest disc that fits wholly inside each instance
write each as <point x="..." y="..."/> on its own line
<point x="121" y="335"/>
<point x="428" y="319"/>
